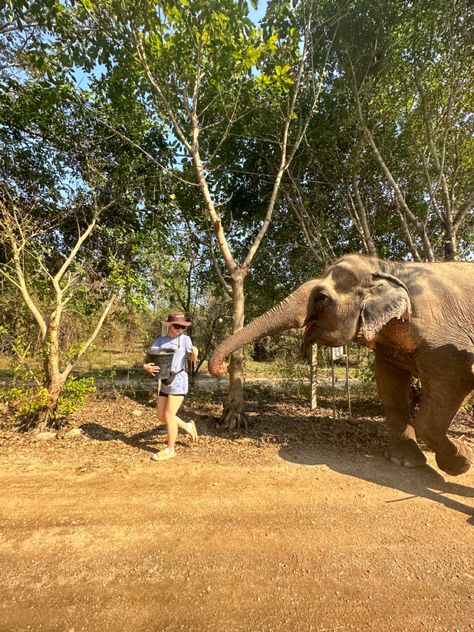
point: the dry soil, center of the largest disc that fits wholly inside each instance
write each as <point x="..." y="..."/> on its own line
<point x="299" y="524"/>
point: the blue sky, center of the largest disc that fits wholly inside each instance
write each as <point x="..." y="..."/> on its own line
<point x="257" y="15"/>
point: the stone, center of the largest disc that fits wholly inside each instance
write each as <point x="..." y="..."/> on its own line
<point x="45" y="436"/>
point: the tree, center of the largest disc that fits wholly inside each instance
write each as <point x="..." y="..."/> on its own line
<point x="22" y="236"/>
<point x="81" y="211"/>
<point x="406" y="95"/>
<point x="207" y="72"/>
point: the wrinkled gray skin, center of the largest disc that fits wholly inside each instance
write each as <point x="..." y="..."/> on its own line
<point x="419" y="319"/>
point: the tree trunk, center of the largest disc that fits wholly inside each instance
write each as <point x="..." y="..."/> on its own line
<point x="233" y="416"/>
<point x="46" y="418"/>
<point x="450" y="242"/>
<point x="53" y="378"/>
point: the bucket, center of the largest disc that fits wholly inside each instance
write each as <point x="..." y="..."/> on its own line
<point x="163" y="358"/>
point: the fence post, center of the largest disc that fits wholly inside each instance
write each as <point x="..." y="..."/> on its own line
<point x="348" y="388"/>
<point x="314" y="376"/>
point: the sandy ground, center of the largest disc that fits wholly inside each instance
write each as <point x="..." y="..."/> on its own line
<point x="299" y="525"/>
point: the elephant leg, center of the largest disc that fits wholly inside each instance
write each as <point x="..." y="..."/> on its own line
<point x="440" y="402"/>
<point x="393" y="384"/>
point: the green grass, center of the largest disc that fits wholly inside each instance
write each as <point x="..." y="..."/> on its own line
<point x="115" y="364"/>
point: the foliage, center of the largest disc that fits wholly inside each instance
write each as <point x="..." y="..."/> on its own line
<point x="82" y="211"/>
<point x="26" y="403"/>
<point x="407" y="93"/>
<point x="153" y="112"/>
<point x="365" y="371"/>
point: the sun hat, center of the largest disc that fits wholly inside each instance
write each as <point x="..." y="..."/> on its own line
<point x="177" y="318"/>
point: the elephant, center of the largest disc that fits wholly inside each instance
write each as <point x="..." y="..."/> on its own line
<point x="417" y="317"/>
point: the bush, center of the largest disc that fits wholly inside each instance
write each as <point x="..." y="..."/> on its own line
<point x="27" y="404"/>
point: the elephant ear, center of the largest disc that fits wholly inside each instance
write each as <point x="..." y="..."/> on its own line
<point x="387" y="298"/>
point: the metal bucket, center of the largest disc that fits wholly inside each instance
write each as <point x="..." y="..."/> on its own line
<point x="163" y="358"/>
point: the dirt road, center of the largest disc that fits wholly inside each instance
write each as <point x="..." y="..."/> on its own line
<point x="279" y="530"/>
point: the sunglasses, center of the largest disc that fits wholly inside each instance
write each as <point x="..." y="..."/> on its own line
<point x="179" y="326"/>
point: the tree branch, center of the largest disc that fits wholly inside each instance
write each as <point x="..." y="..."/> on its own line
<point x="158" y="91"/>
<point x="11" y="224"/>
<point x="388" y="174"/>
<point x="91" y="338"/>
<point x="284" y="161"/>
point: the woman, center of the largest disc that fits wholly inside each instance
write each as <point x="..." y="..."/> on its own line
<point x="171" y="396"/>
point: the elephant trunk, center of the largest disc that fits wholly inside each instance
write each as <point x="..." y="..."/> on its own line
<point x="289" y="314"/>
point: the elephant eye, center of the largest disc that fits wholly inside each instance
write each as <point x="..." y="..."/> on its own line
<point x="321" y="300"/>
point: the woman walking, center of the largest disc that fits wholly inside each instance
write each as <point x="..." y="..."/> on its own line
<point x="171" y="395"/>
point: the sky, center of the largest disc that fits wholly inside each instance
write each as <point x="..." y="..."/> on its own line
<point x="257" y="15"/>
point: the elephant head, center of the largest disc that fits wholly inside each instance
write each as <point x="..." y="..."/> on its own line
<point x="352" y="299"/>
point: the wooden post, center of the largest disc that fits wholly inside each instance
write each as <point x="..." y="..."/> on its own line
<point x="314" y="376"/>
<point x="347" y="383"/>
<point x="333" y="381"/>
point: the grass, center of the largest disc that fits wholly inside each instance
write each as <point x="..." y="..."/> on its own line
<point x="114" y="368"/>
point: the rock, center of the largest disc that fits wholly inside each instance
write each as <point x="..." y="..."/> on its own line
<point x="74" y="432"/>
<point x="137" y="412"/>
<point x="45" y="436"/>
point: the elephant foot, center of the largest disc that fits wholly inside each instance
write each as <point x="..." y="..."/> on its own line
<point x="405" y="452"/>
<point x="455" y="462"/>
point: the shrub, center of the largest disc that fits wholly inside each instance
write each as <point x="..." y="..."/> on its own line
<point x="26" y="404"/>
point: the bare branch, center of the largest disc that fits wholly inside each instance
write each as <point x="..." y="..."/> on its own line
<point x="311" y="228"/>
<point x="388" y="174"/>
<point x="75" y="249"/>
<point x="284" y="161"/>
<point x="12" y="227"/>
<point x="225" y="286"/>
<point x="406" y="231"/>
<point x="209" y="203"/>
<point x="158" y="91"/>
<point x="434" y="152"/>
<point x="85" y="346"/>
<point x="464" y="210"/>
<point x="361" y="213"/>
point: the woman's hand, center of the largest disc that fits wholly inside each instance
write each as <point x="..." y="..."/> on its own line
<point x="151" y="368"/>
<point x="193" y="356"/>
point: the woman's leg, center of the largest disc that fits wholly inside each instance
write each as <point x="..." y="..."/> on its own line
<point x="188" y="427"/>
<point x="172" y="406"/>
<point x="160" y="408"/>
<point x="166" y="409"/>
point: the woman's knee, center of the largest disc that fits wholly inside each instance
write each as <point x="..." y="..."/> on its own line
<point x="169" y="417"/>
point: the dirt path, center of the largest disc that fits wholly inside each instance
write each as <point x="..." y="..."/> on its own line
<point x="279" y="530"/>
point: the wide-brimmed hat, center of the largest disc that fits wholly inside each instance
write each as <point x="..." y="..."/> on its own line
<point x="176" y="318"/>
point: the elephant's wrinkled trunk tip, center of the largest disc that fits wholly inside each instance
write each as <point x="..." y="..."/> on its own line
<point x="216" y="366"/>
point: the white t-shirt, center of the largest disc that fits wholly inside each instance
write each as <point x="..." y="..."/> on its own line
<point x="182" y="346"/>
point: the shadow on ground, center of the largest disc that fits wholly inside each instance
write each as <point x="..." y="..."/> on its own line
<point x="140" y="440"/>
<point x="350" y="445"/>
<point x="423" y="482"/>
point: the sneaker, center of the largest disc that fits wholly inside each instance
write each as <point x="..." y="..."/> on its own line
<point x="193" y="433"/>
<point x="163" y="455"/>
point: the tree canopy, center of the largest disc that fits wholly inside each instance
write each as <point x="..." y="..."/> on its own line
<point x="221" y="162"/>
